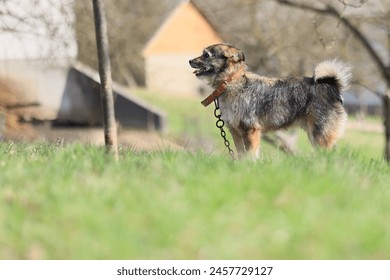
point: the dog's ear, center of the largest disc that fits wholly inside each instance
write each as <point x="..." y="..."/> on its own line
<point x="237" y="55"/>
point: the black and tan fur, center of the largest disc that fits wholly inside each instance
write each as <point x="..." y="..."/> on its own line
<point x="253" y="104"/>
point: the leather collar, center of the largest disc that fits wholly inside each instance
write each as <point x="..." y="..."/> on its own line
<point x="217" y="92"/>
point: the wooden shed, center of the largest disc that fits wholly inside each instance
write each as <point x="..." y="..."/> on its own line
<point x="182" y="36"/>
<point x="81" y="104"/>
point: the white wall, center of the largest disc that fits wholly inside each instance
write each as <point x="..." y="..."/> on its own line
<point x="40" y="82"/>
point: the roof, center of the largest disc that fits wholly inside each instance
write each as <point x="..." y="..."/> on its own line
<point x="186" y="30"/>
<point x="116" y="87"/>
<point x="81" y="103"/>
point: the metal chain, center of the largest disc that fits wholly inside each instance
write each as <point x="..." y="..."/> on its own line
<point x="220" y="124"/>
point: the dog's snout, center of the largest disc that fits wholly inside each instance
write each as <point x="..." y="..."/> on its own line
<point x="194" y="63"/>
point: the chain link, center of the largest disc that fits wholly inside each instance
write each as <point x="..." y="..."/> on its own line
<point x="220" y="124"/>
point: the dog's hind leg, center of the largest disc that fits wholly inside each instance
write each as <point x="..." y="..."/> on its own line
<point x="325" y="134"/>
<point x="320" y="136"/>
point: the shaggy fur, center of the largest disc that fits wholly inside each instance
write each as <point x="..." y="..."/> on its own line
<point x="253" y="104"/>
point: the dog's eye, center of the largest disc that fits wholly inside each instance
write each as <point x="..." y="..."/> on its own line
<point x="206" y="55"/>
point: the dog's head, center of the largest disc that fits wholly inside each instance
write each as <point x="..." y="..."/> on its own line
<point x="217" y="62"/>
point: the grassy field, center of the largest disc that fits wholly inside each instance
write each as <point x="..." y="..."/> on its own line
<point x="75" y="202"/>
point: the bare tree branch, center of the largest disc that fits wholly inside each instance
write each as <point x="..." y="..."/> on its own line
<point x="46" y="21"/>
<point x="324" y="44"/>
<point x="377" y="93"/>
<point x="361" y="3"/>
<point x="331" y="11"/>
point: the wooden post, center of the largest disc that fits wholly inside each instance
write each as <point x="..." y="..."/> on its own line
<point x="2" y="124"/>
<point x="110" y="133"/>
<point x="386" y="115"/>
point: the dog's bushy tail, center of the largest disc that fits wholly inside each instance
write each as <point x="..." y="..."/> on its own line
<point x="333" y="72"/>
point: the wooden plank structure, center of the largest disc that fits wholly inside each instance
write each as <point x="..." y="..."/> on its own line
<point x="81" y="104"/>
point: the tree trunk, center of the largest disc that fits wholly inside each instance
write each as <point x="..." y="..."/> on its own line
<point x="386" y="116"/>
<point x="2" y="124"/>
<point x="110" y="133"/>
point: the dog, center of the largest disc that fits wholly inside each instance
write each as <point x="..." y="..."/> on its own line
<point x="252" y="105"/>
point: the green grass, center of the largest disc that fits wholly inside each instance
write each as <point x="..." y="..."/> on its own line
<point x="369" y="144"/>
<point x="76" y="203"/>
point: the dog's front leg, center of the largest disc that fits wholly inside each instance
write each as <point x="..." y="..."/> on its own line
<point x="251" y="138"/>
<point x="238" y="141"/>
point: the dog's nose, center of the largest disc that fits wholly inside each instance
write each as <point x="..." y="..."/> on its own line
<point x="193" y="63"/>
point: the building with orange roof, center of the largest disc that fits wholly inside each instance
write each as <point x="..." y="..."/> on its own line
<point x="182" y="36"/>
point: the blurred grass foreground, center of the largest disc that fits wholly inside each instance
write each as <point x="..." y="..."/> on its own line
<point x="74" y="202"/>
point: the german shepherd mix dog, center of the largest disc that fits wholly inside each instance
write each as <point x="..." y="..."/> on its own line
<point x="252" y="105"/>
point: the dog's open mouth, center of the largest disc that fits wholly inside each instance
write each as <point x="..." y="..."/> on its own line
<point x="199" y="71"/>
<point x="202" y="71"/>
<point x="200" y="67"/>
